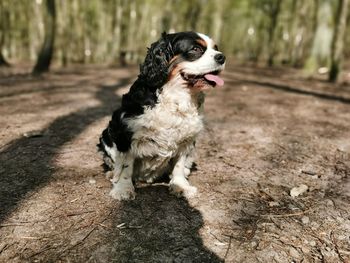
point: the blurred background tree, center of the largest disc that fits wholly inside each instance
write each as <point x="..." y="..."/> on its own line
<point x="306" y="34"/>
<point x="46" y="52"/>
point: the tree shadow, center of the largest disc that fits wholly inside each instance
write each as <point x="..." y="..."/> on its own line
<point x="14" y="79"/>
<point x="27" y="163"/>
<point x="291" y="89"/>
<point x="51" y="89"/>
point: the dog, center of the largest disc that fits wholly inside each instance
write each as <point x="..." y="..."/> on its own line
<point x="154" y="131"/>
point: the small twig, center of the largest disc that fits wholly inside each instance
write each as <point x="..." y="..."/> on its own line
<point x="87" y="235"/>
<point x="12" y="224"/>
<point x="22" y="223"/>
<point x="245" y="199"/>
<point x="289" y="215"/>
<point x="4" y="248"/>
<point x="40" y="251"/>
<point x="122" y="225"/>
<point x="131" y="227"/>
<point x="282" y="147"/>
<point x="230" y="164"/>
<point x="216" y="237"/>
<point x="29" y="237"/>
<point x="308" y="172"/>
<point x="228" y="247"/>
<point x="80" y="241"/>
<point x="79" y="213"/>
<point x="277" y="225"/>
<point x="262" y="191"/>
<point x="336" y="247"/>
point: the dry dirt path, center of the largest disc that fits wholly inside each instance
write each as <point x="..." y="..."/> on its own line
<point x="267" y="131"/>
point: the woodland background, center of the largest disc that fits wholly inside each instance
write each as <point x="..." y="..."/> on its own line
<point x="309" y="34"/>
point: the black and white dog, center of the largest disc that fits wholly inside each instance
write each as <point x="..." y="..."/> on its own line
<point x="154" y="131"/>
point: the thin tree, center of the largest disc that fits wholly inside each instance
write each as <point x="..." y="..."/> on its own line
<point x="3" y="61"/>
<point x="3" y="26"/>
<point x="46" y="52"/>
<point x="274" y="10"/>
<point x="338" y="39"/>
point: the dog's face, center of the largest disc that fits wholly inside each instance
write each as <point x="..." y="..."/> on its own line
<point x="192" y="56"/>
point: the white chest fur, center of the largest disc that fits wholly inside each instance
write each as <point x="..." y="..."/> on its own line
<point x="166" y="128"/>
<point x="165" y="131"/>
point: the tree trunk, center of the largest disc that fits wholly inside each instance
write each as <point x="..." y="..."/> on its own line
<point x="3" y="61"/>
<point x="46" y="52"/>
<point x="116" y="27"/>
<point x="124" y="33"/>
<point x="276" y="7"/>
<point x="320" y="50"/>
<point x="338" y="40"/>
<point x="3" y="25"/>
<point x="217" y="23"/>
<point x="292" y="24"/>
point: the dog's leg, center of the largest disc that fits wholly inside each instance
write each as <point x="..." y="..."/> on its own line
<point x="123" y="188"/>
<point x="178" y="183"/>
<point x="190" y="158"/>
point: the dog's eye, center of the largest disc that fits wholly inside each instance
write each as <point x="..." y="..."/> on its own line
<point x="197" y="49"/>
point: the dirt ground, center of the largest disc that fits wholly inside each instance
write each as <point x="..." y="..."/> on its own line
<point x="267" y="131"/>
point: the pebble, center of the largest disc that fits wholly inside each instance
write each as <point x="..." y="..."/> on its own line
<point x="330" y="203"/>
<point x="312" y="243"/>
<point x="218" y="243"/>
<point x="273" y="204"/>
<point x="296" y="191"/>
<point x="32" y="134"/>
<point x="92" y="181"/>
<point x="305" y="220"/>
<point x="254" y="244"/>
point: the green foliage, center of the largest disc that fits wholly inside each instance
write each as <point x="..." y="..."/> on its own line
<point x="113" y="31"/>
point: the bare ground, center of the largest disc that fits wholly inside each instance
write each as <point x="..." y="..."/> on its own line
<point x="267" y="131"/>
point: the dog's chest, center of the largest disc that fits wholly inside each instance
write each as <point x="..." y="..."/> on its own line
<point x="167" y="128"/>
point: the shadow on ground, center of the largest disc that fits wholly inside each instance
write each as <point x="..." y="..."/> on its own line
<point x="27" y="162"/>
<point x="291" y="89"/>
<point x="166" y="229"/>
<point x="156" y="227"/>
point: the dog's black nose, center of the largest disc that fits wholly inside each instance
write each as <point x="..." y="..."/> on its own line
<point x="220" y="58"/>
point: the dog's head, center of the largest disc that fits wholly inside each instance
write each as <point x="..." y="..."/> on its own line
<point x="192" y="56"/>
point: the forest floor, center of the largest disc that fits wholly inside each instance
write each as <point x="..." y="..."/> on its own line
<point x="267" y="131"/>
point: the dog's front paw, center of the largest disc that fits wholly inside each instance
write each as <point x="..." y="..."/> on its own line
<point x="183" y="190"/>
<point x="122" y="191"/>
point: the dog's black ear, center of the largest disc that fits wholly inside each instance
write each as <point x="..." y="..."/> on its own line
<point x="154" y="70"/>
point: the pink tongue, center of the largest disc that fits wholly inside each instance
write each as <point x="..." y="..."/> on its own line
<point x="215" y="78"/>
